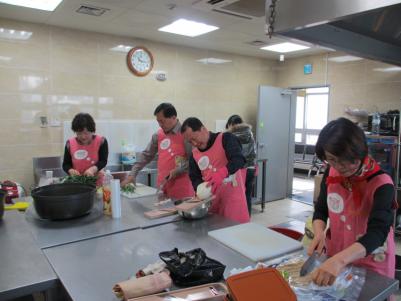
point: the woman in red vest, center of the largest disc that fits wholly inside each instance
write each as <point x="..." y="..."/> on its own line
<point x="86" y="154"/>
<point x="358" y="199"/>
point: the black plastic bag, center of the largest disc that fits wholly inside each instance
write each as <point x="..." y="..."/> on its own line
<point x="192" y="268"/>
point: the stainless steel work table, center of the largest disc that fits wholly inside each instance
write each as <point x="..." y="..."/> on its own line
<point x="96" y="224"/>
<point x="23" y="267"/>
<point x="89" y="269"/>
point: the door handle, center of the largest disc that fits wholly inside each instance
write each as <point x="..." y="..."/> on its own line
<point x="261" y="145"/>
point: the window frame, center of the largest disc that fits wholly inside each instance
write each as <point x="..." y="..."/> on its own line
<point x="304" y="131"/>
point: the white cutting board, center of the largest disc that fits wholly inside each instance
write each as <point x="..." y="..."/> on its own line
<point x="256" y="241"/>
<point x="140" y="191"/>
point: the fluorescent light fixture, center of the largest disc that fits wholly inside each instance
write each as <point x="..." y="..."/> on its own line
<point x="188" y="28"/>
<point x="122" y="48"/>
<point x="388" y="69"/>
<point x="5" y="58"/>
<point x="49" y="5"/>
<point x="213" y="60"/>
<point x="345" y="58"/>
<point x="13" y="34"/>
<point x="285" y="47"/>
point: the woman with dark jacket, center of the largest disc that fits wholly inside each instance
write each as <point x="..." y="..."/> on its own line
<point x="243" y="132"/>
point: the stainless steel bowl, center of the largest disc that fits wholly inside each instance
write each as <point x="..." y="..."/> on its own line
<point x="196" y="213"/>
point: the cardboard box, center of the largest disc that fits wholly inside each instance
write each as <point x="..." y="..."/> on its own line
<point x="318" y="180"/>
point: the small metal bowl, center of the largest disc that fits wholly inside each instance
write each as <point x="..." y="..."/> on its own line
<point x="197" y="212"/>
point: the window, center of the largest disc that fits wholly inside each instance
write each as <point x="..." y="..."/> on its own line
<point x="311" y="114"/>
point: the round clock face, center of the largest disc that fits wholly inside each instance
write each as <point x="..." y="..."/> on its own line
<point x="140" y="61"/>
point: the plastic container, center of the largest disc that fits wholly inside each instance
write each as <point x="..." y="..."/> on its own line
<point x="260" y="284"/>
<point x="376" y="123"/>
<point x="128" y="153"/>
<point x="107" y="192"/>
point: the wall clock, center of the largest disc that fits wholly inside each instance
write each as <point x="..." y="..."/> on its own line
<point x="140" y="61"/>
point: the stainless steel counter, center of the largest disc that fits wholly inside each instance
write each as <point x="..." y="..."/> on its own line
<point x="23" y="267"/>
<point x="107" y="260"/>
<point x="96" y="224"/>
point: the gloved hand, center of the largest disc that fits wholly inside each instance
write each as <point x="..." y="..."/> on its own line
<point x="216" y="178"/>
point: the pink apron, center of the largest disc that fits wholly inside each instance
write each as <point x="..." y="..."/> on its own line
<point x="85" y="156"/>
<point x="172" y="153"/>
<point x="230" y="200"/>
<point x="348" y="224"/>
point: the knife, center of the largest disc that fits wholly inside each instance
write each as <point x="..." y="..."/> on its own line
<point x="309" y="264"/>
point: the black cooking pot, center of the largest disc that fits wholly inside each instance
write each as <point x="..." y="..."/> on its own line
<point x="3" y="194"/>
<point x="63" y="201"/>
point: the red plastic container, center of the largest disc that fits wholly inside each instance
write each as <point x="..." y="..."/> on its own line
<point x="261" y="284"/>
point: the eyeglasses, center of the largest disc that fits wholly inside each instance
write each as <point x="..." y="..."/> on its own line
<point x="339" y="162"/>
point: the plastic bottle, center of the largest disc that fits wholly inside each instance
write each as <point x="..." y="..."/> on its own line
<point x="376" y="123"/>
<point x="128" y="154"/>
<point x="107" y="192"/>
<point x="115" y="198"/>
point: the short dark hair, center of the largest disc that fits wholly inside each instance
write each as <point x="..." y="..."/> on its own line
<point x="167" y="109"/>
<point x="343" y="139"/>
<point x="83" y="121"/>
<point x="233" y="120"/>
<point x="192" y="122"/>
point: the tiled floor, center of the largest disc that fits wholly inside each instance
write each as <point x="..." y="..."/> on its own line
<point x="302" y="188"/>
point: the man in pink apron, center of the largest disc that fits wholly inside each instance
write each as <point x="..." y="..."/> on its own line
<point x="172" y="164"/>
<point x="85" y="154"/>
<point x="358" y="198"/>
<point x="217" y="159"/>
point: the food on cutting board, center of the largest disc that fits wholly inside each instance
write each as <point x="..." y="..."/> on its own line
<point x="89" y="180"/>
<point x="203" y="191"/>
<point x="129" y="188"/>
<point x="290" y="272"/>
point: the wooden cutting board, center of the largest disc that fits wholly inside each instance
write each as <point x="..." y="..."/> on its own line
<point x="256" y="241"/>
<point x="156" y="213"/>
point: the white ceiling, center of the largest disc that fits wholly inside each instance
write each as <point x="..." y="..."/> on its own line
<point x="142" y="18"/>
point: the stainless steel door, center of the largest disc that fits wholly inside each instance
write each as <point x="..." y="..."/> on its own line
<point x="275" y="140"/>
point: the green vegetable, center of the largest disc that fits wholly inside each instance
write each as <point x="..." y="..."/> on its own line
<point x="88" y="180"/>
<point x="129" y="188"/>
<point x="285" y="275"/>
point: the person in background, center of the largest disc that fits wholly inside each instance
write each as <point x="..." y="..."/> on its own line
<point x="86" y="154"/>
<point x="244" y="134"/>
<point x="358" y="198"/>
<point x="217" y="158"/>
<point x="173" y="151"/>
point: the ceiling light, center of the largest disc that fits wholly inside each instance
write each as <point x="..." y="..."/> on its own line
<point x="345" y="58"/>
<point x="213" y="60"/>
<point x="122" y="48"/>
<point x="388" y="69"/>
<point x="49" y="5"/>
<point x="5" y="58"/>
<point x="285" y="47"/>
<point x="13" y="34"/>
<point x="188" y="28"/>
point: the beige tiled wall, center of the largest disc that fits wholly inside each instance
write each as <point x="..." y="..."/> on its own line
<point x="359" y="84"/>
<point x="59" y="72"/>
